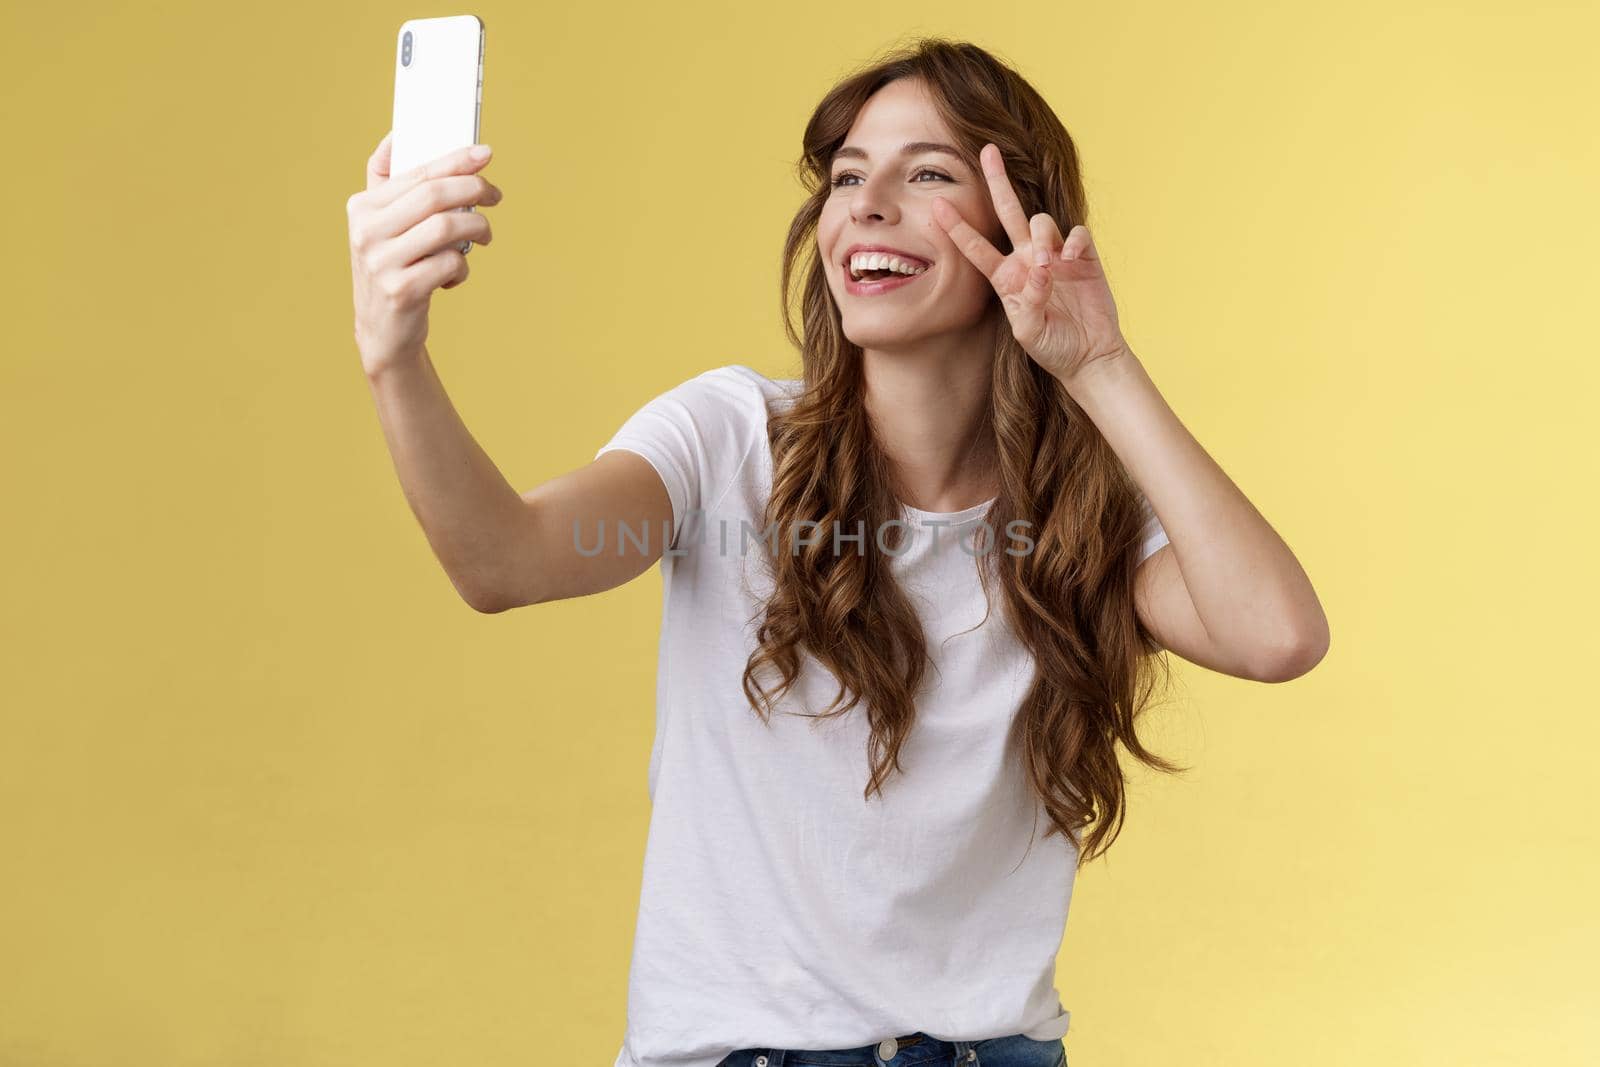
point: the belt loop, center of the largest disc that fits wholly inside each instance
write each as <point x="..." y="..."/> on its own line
<point x="775" y="1057"/>
<point x="965" y="1057"/>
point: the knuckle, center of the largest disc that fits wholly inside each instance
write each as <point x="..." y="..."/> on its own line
<point x="452" y="266"/>
<point x="392" y="288"/>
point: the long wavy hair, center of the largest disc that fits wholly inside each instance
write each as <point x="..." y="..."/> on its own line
<point x="1070" y="599"/>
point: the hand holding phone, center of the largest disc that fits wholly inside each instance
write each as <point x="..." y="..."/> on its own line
<point x="403" y="233"/>
<point x="411" y="225"/>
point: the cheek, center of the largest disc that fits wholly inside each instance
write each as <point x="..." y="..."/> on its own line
<point x="827" y="239"/>
<point x="965" y="290"/>
<point x="979" y="218"/>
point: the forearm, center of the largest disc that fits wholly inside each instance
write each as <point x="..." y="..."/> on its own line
<point x="1247" y="587"/>
<point x="467" y="509"/>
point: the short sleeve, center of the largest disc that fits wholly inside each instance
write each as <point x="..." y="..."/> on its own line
<point x="1154" y="535"/>
<point x="695" y="435"/>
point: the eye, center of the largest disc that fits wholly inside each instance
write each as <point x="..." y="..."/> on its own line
<point x="839" y="181"/>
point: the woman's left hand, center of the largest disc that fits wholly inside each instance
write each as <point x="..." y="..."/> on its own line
<point x="1054" y="291"/>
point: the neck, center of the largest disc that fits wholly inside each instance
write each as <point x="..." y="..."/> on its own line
<point x="929" y="410"/>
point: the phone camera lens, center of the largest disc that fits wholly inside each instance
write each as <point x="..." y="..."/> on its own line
<point x="405" y="50"/>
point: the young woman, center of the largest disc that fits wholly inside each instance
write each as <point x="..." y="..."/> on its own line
<point x="914" y="596"/>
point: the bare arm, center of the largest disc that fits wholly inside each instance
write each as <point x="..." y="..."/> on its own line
<point x="499" y="549"/>
<point x="567" y="542"/>
<point x="502" y="549"/>
<point x="1227" y="593"/>
<point x="456" y="492"/>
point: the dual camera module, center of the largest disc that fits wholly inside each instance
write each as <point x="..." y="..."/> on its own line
<point x="405" y="49"/>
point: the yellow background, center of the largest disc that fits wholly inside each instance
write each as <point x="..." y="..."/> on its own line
<point x="271" y="794"/>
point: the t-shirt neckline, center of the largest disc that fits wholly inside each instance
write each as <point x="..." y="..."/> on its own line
<point x="963" y="513"/>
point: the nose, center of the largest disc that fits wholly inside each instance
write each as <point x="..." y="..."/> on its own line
<point x="873" y="199"/>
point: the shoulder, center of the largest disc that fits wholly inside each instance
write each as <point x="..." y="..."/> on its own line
<point x="740" y="388"/>
<point x="722" y="421"/>
<point x="723" y="402"/>
<point x="735" y="396"/>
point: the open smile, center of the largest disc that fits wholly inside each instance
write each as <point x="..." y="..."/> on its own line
<point x="888" y="284"/>
<point x="870" y="270"/>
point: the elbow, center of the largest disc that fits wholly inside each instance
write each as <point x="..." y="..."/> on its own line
<point x="503" y="597"/>
<point x="1294" y="653"/>
<point x="482" y="600"/>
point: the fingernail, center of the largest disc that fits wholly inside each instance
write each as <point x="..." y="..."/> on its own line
<point x="479" y="152"/>
<point x="1042" y="256"/>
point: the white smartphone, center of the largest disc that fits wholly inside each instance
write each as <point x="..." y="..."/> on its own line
<point x="438" y="91"/>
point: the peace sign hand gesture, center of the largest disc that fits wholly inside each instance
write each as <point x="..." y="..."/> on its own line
<point x="1054" y="291"/>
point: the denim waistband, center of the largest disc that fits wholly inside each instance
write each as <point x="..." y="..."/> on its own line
<point x="913" y="1050"/>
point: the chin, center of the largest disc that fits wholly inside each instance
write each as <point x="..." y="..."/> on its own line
<point x="885" y="340"/>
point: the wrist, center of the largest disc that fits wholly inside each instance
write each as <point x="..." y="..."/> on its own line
<point x="388" y="364"/>
<point x="1102" y="372"/>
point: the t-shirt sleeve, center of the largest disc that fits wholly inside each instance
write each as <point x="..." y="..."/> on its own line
<point x="695" y="435"/>
<point x="1154" y="534"/>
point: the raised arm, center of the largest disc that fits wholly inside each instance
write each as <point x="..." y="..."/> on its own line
<point x="570" y="540"/>
<point x="500" y="549"/>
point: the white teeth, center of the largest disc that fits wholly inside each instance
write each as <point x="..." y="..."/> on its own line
<point x="865" y="261"/>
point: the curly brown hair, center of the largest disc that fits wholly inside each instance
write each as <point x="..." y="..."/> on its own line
<point x="1070" y="599"/>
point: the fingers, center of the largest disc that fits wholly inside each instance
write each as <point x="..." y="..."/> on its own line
<point x="442" y="230"/>
<point x="458" y="161"/>
<point x="1006" y="204"/>
<point x="432" y="272"/>
<point x="1039" y="285"/>
<point x="432" y="198"/>
<point x="972" y="244"/>
<point x="1046" y="238"/>
<point x="456" y="190"/>
<point x="460" y="275"/>
<point x="1079" y="245"/>
<point x="378" y="162"/>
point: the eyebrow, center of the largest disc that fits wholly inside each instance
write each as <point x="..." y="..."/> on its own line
<point x="910" y="148"/>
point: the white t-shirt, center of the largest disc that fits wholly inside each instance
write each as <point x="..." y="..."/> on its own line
<point x="779" y="908"/>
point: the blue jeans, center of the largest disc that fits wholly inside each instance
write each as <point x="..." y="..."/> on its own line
<point x="914" y="1050"/>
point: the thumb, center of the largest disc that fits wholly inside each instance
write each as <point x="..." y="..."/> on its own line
<point x="378" y="162"/>
<point x="1039" y="282"/>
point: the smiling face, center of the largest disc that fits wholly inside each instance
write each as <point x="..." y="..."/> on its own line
<point x="883" y="195"/>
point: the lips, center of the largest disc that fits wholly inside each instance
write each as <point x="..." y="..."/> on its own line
<point x="882" y="285"/>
